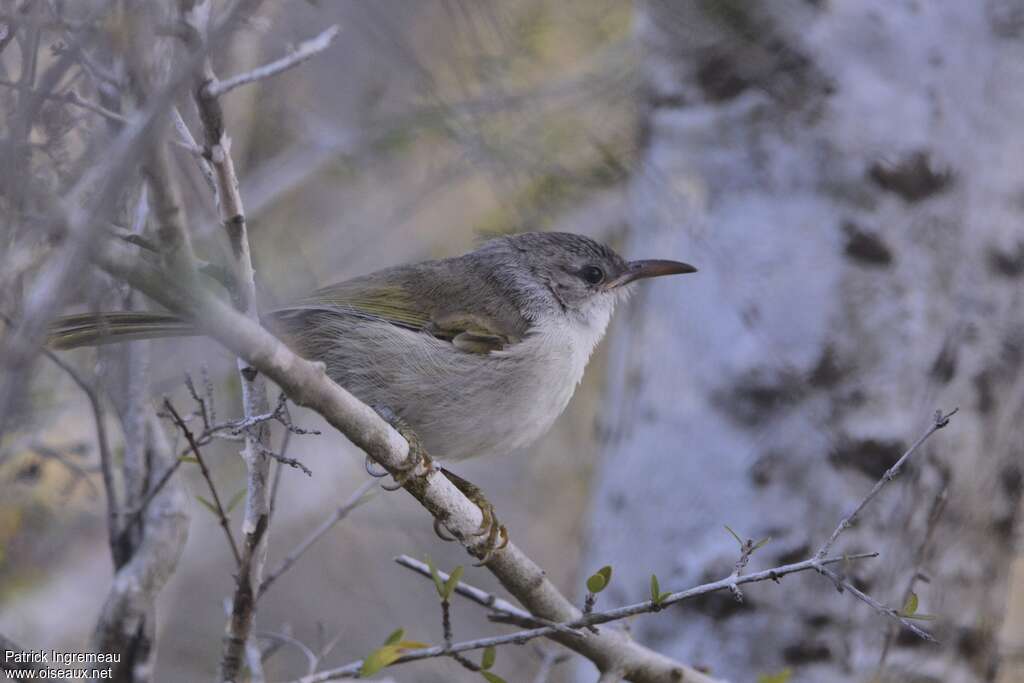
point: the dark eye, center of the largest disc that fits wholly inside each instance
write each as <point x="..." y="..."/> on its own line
<point x="592" y="274"/>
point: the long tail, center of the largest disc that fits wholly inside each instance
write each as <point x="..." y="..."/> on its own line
<point x="91" y="329"/>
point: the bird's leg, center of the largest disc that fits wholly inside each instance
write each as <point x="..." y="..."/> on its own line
<point x="417" y="453"/>
<point x="497" y="535"/>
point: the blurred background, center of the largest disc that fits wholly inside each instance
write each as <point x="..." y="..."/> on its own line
<point x="846" y="176"/>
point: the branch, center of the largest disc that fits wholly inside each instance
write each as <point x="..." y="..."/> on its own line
<point x="595" y="618"/>
<point x="222" y="516"/>
<point x="505" y="611"/>
<point x="842" y="584"/>
<point x="217" y="150"/>
<point x="355" y="500"/>
<point x="304" y="51"/>
<point x="940" y="420"/>
<point x="103" y="445"/>
<point x="128" y="608"/>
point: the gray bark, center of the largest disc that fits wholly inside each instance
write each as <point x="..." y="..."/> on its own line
<point x="847" y="176"/>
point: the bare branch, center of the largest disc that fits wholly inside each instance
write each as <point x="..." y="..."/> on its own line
<point x="222" y="517"/>
<point x="940" y="421"/>
<point x="359" y="497"/>
<point x="74" y="99"/>
<point x="128" y="607"/>
<point x="103" y="445"/>
<point x="304" y="51"/>
<point x="842" y="584"/>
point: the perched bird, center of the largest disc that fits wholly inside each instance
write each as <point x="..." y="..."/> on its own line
<point x="474" y="355"/>
<point x="477" y="354"/>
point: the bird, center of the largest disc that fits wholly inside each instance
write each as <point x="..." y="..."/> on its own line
<point x="476" y="354"/>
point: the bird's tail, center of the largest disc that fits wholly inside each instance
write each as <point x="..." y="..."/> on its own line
<point x="91" y="329"/>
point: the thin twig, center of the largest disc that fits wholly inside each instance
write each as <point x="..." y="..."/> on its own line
<point x="304" y="51"/>
<point x="221" y="515"/>
<point x="359" y="497"/>
<point x="842" y="584"/>
<point x="506" y="611"/>
<point x="940" y="420"/>
<point x="938" y="506"/>
<point x="103" y="444"/>
<point x="73" y="98"/>
<point x="520" y="637"/>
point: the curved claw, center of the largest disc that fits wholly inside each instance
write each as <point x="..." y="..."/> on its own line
<point x="498" y="531"/>
<point x="369" y="464"/>
<point x="444" y="536"/>
<point x="487" y="521"/>
<point x="393" y="487"/>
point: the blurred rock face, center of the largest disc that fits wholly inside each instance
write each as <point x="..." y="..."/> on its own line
<point x="846" y="176"/>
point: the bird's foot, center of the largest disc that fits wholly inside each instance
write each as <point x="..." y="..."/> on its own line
<point x="417" y="457"/>
<point x="495" y="531"/>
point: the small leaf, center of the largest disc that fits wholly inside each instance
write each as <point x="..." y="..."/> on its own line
<point x="487" y="661"/>
<point x="920" y="617"/>
<point x="378" y="659"/>
<point x="453" y="579"/>
<point x="492" y="677"/>
<point x="655" y="589"/>
<point x="235" y="500"/>
<point x="395" y="636"/>
<point x="663" y="597"/>
<point x="600" y="579"/>
<point x="910" y="606"/>
<point x="406" y="645"/>
<point x="760" y="544"/>
<point x="780" y="677"/>
<point x="734" y="535"/>
<point x="189" y="458"/>
<point x="438" y="584"/>
<point x="208" y="505"/>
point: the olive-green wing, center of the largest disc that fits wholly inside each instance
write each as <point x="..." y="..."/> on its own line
<point x="397" y="305"/>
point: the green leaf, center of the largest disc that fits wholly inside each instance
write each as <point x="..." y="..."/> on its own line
<point x="600" y="579"/>
<point x="492" y="677"/>
<point x="438" y="584"/>
<point x="378" y="659"/>
<point x="487" y="661"/>
<point x="655" y="589"/>
<point x="780" y="677"/>
<point x="406" y="645"/>
<point x="734" y="535"/>
<point x="189" y="458"/>
<point x="920" y="617"/>
<point x="209" y="506"/>
<point x="760" y="544"/>
<point x="910" y="606"/>
<point x="235" y="500"/>
<point x="395" y="636"/>
<point x="453" y="579"/>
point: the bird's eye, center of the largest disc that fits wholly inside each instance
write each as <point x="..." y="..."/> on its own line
<point x="592" y="274"/>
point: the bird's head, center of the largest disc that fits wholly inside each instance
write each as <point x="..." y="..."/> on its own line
<point x="584" y="277"/>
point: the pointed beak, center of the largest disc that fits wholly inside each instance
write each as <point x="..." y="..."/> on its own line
<point x="639" y="270"/>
